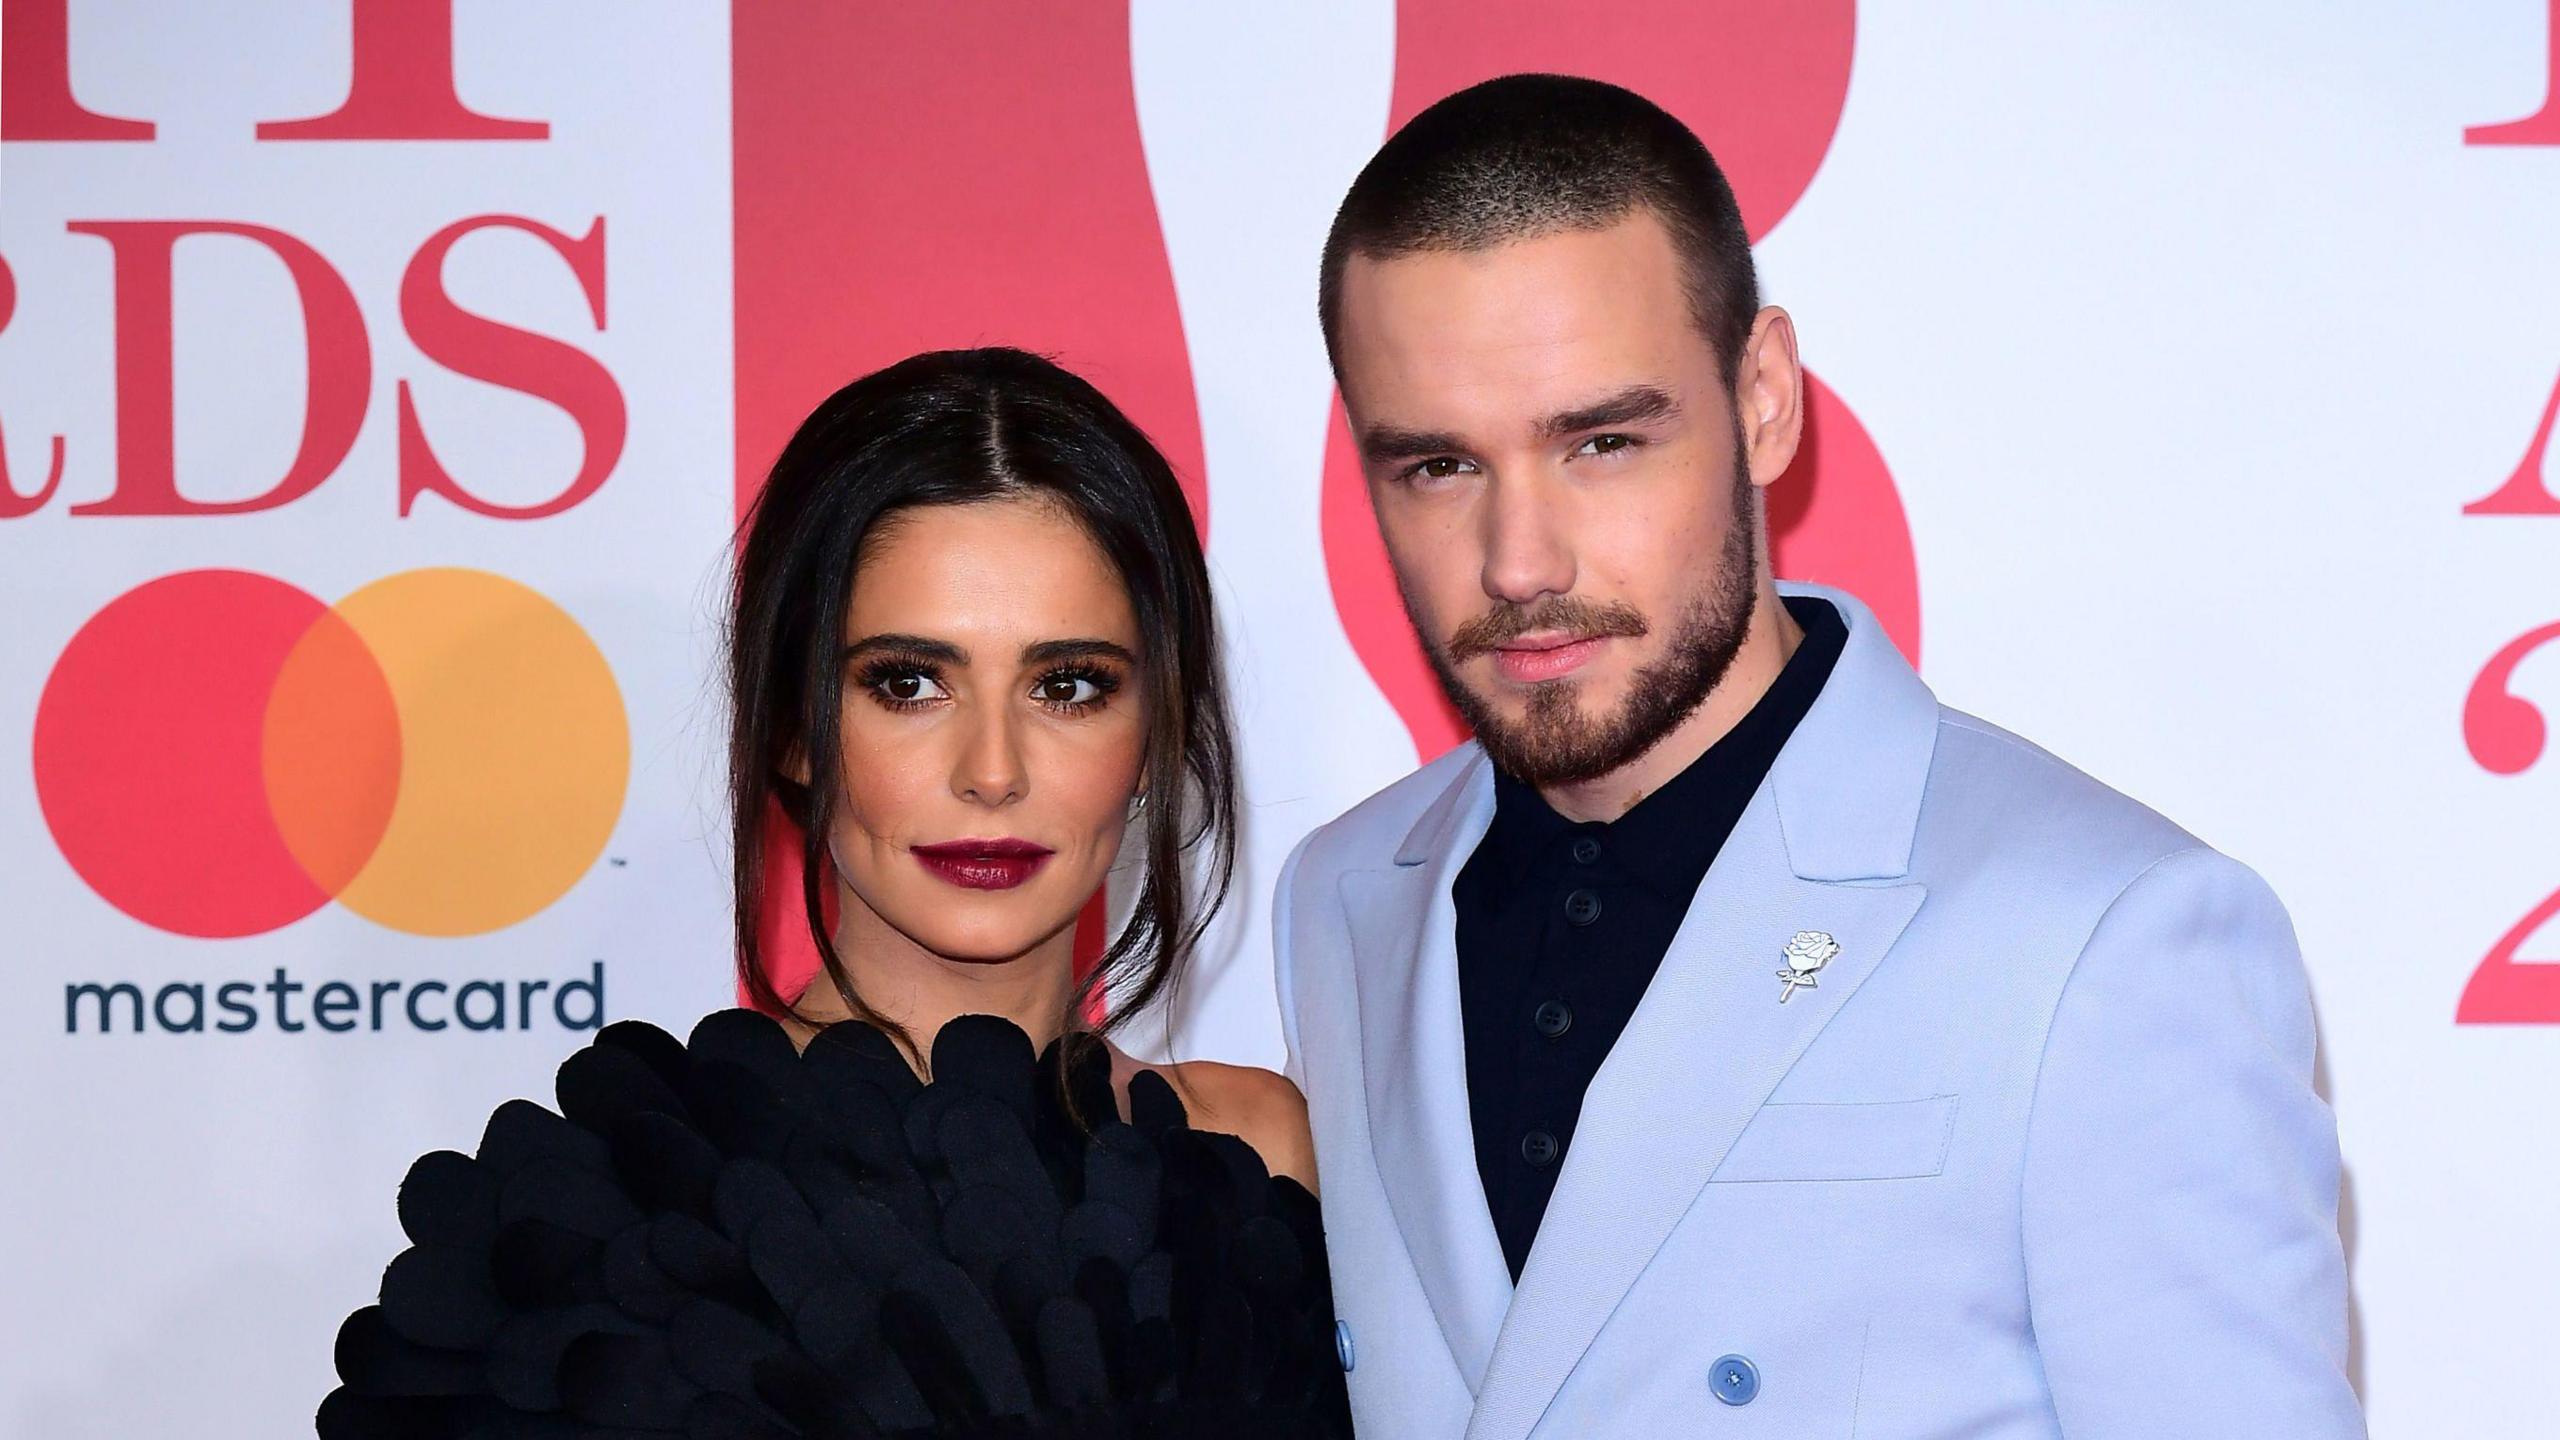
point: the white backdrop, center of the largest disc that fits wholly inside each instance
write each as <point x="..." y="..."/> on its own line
<point x="2187" y="332"/>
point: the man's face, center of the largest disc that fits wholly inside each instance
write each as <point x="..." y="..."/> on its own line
<point x="1563" y="484"/>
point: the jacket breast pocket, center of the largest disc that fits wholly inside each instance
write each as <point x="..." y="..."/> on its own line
<point x="1881" y="1140"/>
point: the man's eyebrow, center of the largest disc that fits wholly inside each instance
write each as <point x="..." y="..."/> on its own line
<point x="915" y="646"/>
<point x="1381" y="443"/>
<point x="1634" y="405"/>
<point x="1050" y="652"/>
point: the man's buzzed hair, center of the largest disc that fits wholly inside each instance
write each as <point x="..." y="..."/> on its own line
<point x="1529" y="155"/>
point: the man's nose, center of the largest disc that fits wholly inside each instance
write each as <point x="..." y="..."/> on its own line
<point x="1527" y="555"/>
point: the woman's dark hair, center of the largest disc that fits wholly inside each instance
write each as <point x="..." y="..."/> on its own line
<point x="959" y="427"/>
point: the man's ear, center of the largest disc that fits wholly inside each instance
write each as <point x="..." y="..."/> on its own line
<point x="1768" y="394"/>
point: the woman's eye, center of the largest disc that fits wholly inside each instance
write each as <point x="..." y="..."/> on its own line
<point x="1068" y="690"/>
<point x="910" y="688"/>
<point x="1604" y="445"/>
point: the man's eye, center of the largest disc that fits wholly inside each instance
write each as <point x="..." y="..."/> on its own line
<point x="1604" y="445"/>
<point x="1440" y="467"/>
<point x="911" y="688"/>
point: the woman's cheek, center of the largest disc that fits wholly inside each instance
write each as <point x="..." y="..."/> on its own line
<point x="1099" y="781"/>
<point x="888" y="782"/>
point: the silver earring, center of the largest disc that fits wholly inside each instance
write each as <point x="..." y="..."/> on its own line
<point x="1138" y="806"/>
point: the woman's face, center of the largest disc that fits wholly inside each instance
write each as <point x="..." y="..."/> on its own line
<point x="994" y="727"/>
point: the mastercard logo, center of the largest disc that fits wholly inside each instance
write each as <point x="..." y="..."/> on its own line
<point x="219" y="754"/>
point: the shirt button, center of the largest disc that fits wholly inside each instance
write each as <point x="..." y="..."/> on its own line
<point x="1582" y="906"/>
<point x="1539" y="1148"/>
<point x="1342" y="1346"/>
<point x="1735" y="1380"/>
<point x="1553" y="1019"/>
<point x="1586" y="850"/>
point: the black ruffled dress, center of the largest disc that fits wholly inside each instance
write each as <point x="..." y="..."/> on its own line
<point x="725" y="1239"/>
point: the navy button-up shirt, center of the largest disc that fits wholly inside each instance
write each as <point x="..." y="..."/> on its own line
<point x="1562" y="925"/>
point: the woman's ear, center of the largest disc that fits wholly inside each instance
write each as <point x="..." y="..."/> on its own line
<point x="795" y="765"/>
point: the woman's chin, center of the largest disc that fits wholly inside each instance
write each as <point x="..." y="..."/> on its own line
<point x="985" y="944"/>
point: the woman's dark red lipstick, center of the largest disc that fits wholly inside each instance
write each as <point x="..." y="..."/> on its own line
<point x="983" y="864"/>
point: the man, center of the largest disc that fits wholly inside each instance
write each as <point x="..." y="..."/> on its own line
<point x="1732" y="1040"/>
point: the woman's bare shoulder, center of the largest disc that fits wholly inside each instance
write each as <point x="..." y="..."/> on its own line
<point x="1260" y="1107"/>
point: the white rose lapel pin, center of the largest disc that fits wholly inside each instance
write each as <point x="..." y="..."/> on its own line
<point x="1805" y="956"/>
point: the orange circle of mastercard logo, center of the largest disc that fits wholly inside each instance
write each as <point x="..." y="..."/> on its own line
<point x="443" y="752"/>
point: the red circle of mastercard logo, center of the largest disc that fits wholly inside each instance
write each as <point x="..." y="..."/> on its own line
<point x="443" y="751"/>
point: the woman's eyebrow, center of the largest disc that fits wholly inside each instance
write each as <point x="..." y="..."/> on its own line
<point x="914" y="645"/>
<point x="1051" y="651"/>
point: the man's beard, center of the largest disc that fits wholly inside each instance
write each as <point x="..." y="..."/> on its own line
<point x="1554" y="743"/>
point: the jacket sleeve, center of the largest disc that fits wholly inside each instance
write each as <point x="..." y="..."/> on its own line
<point x="2180" y="1205"/>
<point x="1284" y="961"/>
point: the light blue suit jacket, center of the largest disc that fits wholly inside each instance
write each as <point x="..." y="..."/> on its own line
<point x="2037" y="1156"/>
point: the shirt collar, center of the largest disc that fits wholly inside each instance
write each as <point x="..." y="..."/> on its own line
<point x="1671" y="836"/>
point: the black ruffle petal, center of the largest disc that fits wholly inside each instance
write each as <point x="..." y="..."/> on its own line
<point x="589" y="1202"/>
<point x="659" y="1050"/>
<point x="521" y="1132"/>
<point x="991" y="1057"/>
<point x="628" y="1382"/>
<point x="749" y="1040"/>
<point x="1153" y="1107"/>
<point x="722" y="1238"/>
<point x="600" y="1085"/>
<point x="867" y="1054"/>
<point x="448" y="1198"/>
<point x="526" y="1353"/>
<point x="667" y="1164"/>
<point x="442" y="1295"/>
<point x="350" y="1415"/>
<point x="376" y="1360"/>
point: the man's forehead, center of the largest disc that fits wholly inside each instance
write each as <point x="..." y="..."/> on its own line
<point x="1541" y="325"/>
<point x="1552" y="276"/>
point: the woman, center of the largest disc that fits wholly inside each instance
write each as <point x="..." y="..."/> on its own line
<point x="971" y="650"/>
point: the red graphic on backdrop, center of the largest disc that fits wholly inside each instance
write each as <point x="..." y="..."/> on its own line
<point x="2503" y="729"/>
<point x="176" y="828"/>
<point x="35" y="80"/>
<point x="400" y="85"/>
<point x="2508" y="988"/>
<point x="13" y="503"/>
<point x="514" y="359"/>
<point x="218" y="753"/>
<point x="2507" y="735"/>
<point x="2504" y="732"/>
<point x="922" y="177"/>
<point x="2525" y="492"/>
<point x="2542" y="127"/>
<point x="338" y="369"/>
<point x="1762" y="82"/>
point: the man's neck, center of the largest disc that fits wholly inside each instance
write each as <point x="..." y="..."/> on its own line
<point x="1767" y="644"/>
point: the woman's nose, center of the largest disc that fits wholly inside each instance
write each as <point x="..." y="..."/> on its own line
<point x="989" y="769"/>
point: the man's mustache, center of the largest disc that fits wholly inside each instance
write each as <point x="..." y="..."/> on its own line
<point x="1581" y="619"/>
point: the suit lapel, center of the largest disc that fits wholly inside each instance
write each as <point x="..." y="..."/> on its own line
<point x="1824" y="846"/>
<point x="1403" y="934"/>
<point x="1702" y="1052"/>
